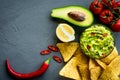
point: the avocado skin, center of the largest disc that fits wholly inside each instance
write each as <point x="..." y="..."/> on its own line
<point x="62" y="13"/>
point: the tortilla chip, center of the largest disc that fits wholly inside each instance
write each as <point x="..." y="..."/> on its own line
<point x="82" y="60"/>
<point x="84" y="71"/>
<point x="110" y="57"/>
<point x="70" y="70"/>
<point x="95" y="73"/>
<point x="92" y="63"/>
<point x="95" y="69"/>
<point x="77" y="79"/>
<point x="112" y="71"/>
<point x="100" y="63"/>
<point x="67" y="49"/>
<point x="81" y="57"/>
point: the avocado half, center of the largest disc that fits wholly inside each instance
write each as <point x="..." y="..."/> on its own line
<point x="62" y="13"/>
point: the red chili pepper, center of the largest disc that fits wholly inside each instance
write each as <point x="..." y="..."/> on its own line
<point x="57" y="59"/>
<point x="44" y="52"/>
<point x="33" y="74"/>
<point x="53" y="48"/>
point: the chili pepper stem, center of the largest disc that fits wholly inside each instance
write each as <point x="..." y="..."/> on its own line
<point x="48" y="60"/>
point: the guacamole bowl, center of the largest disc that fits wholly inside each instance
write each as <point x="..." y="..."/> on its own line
<point x="97" y="41"/>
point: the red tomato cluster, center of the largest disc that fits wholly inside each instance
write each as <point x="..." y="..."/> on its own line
<point x="108" y="12"/>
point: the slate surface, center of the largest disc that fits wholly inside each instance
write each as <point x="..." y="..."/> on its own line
<point x="26" y="28"/>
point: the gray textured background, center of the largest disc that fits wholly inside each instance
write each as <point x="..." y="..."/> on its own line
<point x="26" y="28"/>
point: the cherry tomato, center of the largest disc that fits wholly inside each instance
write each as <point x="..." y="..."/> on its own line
<point x="106" y="16"/>
<point x="116" y="26"/>
<point x="116" y="7"/>
<point x="109" y="3"/>
<point x="96" y="7"/>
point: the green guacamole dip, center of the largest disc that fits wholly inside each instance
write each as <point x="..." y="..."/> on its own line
<point x="97" y="41"/>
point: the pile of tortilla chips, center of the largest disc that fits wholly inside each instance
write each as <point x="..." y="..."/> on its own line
<point x="78" y="66"/>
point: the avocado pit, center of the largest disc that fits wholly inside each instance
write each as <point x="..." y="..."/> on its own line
<point x="77" y="15"/>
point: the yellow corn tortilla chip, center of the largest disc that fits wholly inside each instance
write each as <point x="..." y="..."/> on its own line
<point x="112" y="71"/>
<point x="70" y="70"/>
<point x="95" y="69"/>
<point x="67" y="49"/>
<point x="92" y="63"/>
<point x="84" y="71"/>
<point x="82" y="58"/>
<point x="111" y="56"/>
<point x="95" y="73"/>
<point x="100" y="63"/>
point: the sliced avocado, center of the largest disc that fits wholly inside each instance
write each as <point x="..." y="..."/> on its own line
<point x="63" y="13"/>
